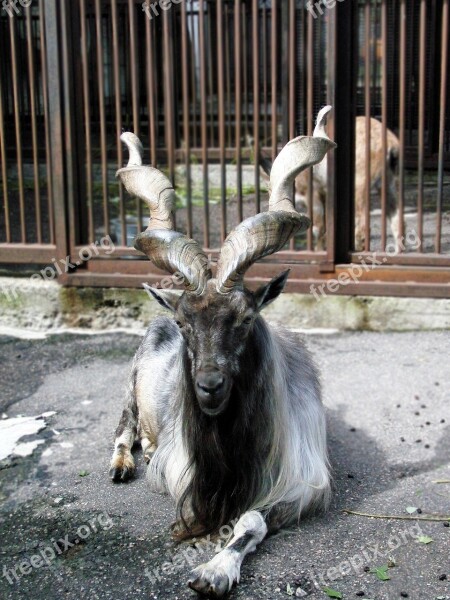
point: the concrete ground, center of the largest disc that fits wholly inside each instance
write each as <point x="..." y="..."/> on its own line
<point x="388" y="403"/>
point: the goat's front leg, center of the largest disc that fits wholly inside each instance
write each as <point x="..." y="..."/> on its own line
<point x="122" y="463"/>
<point x="216" y="577"/>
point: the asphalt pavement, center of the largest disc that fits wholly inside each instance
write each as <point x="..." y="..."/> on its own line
<point x="67" y="532"/>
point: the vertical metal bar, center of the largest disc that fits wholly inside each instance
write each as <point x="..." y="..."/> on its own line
<point x="157" y="84"/>
<point x="273" y="67"/>
<point x="45" y="97"/>
<point x="443" y="109"/>
<point x="292" y="65"/>
<point x="134" y="66"/>
<point x="367" y="103"/>
<point x="410" y="69"/>
<point x="52" y="31"/>
<point x="292" y="85"/>
<point x="101" y="102"/>
<point x="375" y="70"/>
<point x="32" y="89"/>
<point x="204" y="122"/>
<point x="264" y="71"/>
<point x="186" y="115"/>
<point x="68" y="24"/>
<point x="256" y="108"/>
<point x="284" y="70"/>
<point x="87" y="119"/>
<point x="4" y="170"/>
<point x="402" y="117"/>
<point x="238" y="101"/>
<point x="16" y="98"/>
<point x="432" y="80"/>
<point x="309" y="115"/>
<point x="221" y="116"/>
<point x="331" y="201"/>
<point x="421" y="132"/>
<point x="227" y="76"/>
<point x="212" y="62"/>
<point x="134" y="62"/>
<point x="341" y="94"/>
<point x="245" y="54"/>
<point x="309" y="118"/>
<point x="192" y="55"/>
<point x="168" y="95"/>
<point x="384" y="84"/>
<point x="302" y="57"/>
<point x="118" y="115"/>
<point x="151" y="90"/>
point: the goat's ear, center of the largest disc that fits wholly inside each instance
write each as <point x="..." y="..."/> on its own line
<point x="270" y="291"/>
<point x="166" y="298"/>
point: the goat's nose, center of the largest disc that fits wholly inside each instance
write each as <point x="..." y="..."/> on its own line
<point x="210" y="381"/>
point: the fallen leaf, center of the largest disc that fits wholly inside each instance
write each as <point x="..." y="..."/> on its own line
<point x="381" y="572"/>
<point x="83" y="473"/>
<point x="383" y="568"/>
<point x="289" y="590"/>
<point x="332" y="593"/>
<point x="424" y="539"/>
<point x="411" y="509"/>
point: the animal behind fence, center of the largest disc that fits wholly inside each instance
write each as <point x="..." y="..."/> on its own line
<point x="378" y="161"/>
<point x="227" y="408"/>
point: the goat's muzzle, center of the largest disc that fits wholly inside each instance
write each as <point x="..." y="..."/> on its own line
<point x="212" y="388"/>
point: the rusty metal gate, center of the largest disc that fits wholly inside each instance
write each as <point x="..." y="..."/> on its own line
<point x="214" y="89"/>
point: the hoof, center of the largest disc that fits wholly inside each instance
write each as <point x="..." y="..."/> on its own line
<point x="148" y="455"/>
<point x="119" y="475"/>
<point x="209" y="584"/>
<point x="122" y="467"/>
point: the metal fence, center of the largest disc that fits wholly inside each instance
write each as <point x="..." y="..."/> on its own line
<point x="214" y="89"/>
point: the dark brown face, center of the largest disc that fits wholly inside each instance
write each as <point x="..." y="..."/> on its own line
<point x="216" y="329"/>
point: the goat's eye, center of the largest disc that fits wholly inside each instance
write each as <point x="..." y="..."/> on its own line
<point x="247" y="320"/>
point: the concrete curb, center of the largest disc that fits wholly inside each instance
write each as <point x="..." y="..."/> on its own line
<point x="45" y="306"/>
